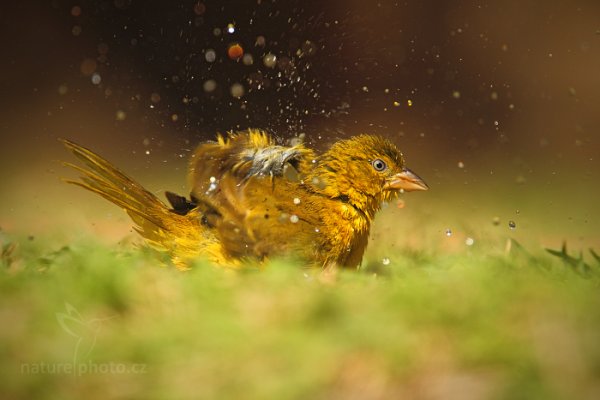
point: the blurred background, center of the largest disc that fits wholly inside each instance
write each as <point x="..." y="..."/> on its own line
<point x="494" y="104"/>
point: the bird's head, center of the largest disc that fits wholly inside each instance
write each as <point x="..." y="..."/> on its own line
<point x="365" y="170"/>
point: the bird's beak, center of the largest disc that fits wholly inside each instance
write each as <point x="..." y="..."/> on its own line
<point x="407" y="181"/>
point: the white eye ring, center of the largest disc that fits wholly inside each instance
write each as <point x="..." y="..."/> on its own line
<point x="379" y="165"/>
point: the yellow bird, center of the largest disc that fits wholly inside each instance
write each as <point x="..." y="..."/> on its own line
<point x="254" y="199"/>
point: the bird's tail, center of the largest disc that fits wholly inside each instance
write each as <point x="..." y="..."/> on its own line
<point x="159" y="225"/>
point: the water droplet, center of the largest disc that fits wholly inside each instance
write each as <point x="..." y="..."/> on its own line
<point x="448" y="232"/>
<point x="210" y="55"/>
<point x="248" y="59"/>
<point x="512" y="225"/>
<point x="96" y="79"/>
<point x="237" y="90"/>
<point x="76" y="11"/>
<point x="230" y="28"/>
<point x="469" y="241"/>
<point x="296" y="200"/>
<point x="155" y="97"/>
<point x="260" y="41"/>
<point x="461" y="164"/>
<point x="409" y="103"/>
<point x="270" y="60"/>
<point x="235" y="51"/>
<point x="212" y="187"/>
<point x="386" y="261"/>
<point x="294" y="218"/>
<point x="209" y="85"/>
<point x="199" y="8"/>
<point x="496" y="221"/>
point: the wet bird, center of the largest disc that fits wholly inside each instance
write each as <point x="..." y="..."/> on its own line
<point x="253" y="199"/>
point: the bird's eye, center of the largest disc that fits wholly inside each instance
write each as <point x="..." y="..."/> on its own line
<point x="379" y="165"/>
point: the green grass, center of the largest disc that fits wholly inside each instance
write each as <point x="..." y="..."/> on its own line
<point x="471" y="324"/>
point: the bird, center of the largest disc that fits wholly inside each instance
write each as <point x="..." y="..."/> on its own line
<point x="253" y="199"/>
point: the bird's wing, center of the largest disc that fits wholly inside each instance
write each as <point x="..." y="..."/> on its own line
<point x="243" y="187"/>
<point x="261" y="218"/>
<point x="242" y="156"/>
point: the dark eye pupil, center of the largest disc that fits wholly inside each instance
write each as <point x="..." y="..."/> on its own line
<point x="379" y="165"/>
